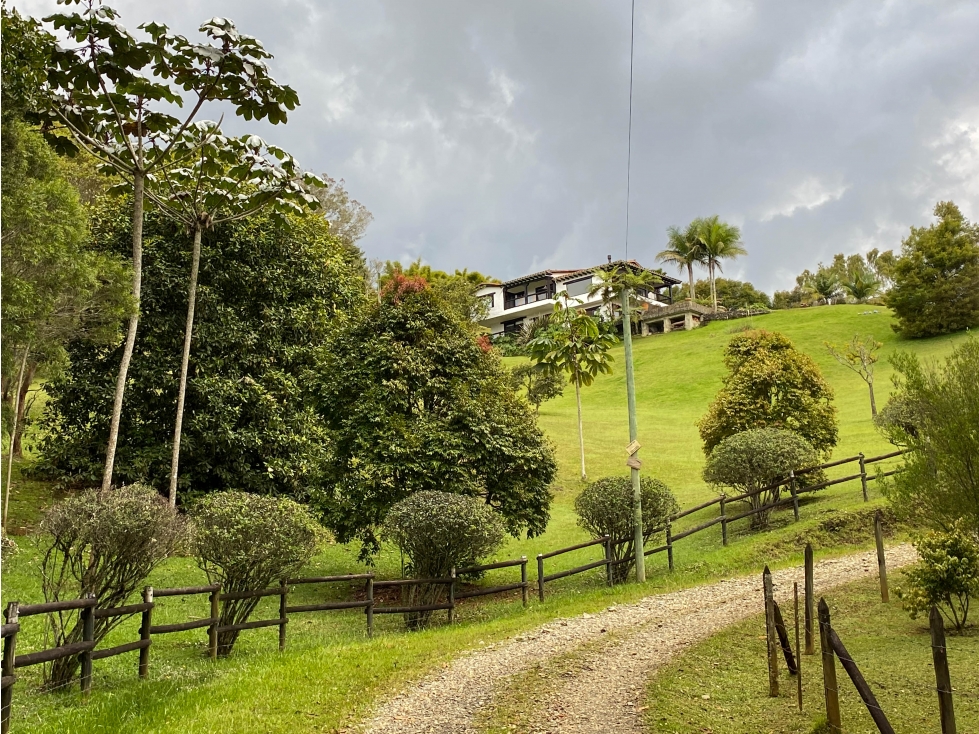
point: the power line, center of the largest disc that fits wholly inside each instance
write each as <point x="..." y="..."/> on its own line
<point x="628" y="169"/>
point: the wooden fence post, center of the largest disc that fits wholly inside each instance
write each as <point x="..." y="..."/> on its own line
<point x="452" y="596"/>
<point x="144" y="634"/>
<point x="608" y="558"/>
<point x="370" y="607"/>
<point x="540" y="576"/>
<point x="940" y="657"/>
<point x="794" y="489"/>
<point x="723" y="520"/>
<point x="881" y="560"/>
<point x="766" y="578"/>
<point x="669" y="544"/>
<point x="809" y="602"/>
<point x="523" y="579"/>
<point x="830" y="687"/>
<point x="863" y="476"/>
<point x="212" y="631"/>
<point x="88" y="635"/>
<point x="798" y="649"/>
<point x="10" y="615"/>
<point x="283" y="619"/>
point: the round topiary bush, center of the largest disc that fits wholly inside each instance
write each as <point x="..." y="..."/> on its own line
<point x="605" y="507"/>
<point x="753" y="459"/>
<point x="436" y="532"/>
<point x="247" y="542"/>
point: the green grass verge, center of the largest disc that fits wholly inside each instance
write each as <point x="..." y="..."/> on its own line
<point x="721" y="685"/>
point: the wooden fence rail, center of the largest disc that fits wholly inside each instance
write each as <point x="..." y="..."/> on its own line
<point x="607" y="562"/>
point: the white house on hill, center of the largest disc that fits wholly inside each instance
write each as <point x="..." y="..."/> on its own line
<point x="516" y="302"/>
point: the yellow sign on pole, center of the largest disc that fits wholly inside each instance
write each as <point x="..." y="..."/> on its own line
<point x="633" y="448"/>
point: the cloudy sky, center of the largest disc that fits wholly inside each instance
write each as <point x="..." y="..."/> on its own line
<point x="492" y="135"/>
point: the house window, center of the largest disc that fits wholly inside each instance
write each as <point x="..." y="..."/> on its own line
<point x="579" y="287"/>
<point x="513" y="326"/>
<point x="489" y="299"/>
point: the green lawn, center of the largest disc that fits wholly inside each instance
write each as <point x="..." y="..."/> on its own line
<point x="721" y="684"/>
<point x="330" y="673"/>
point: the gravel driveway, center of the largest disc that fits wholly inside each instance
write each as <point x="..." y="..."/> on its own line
<point x="647" y="634"/>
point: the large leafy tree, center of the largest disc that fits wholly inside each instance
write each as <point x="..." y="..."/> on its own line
<point x="114" y="95"/>
<point x="684" y="250"/>
<point x="222" y="179"/>
<point x="574" y="346"/>
<point x="412" y="400"/>
<point x="732" y="294"/>
<point x="936" y="278"/>
<point x="269" y="291"/>
<point x="770" y="384"/>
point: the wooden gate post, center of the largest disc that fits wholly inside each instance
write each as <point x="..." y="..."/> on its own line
<point x="283" y="619"/>
<point x="452" y="597"/>
<point x="540" y="576"/>
<point x="723" y="520"/>
<point x="370" y="607"/>
<point x="881" y="560"/>
<point x="88" y="635"/>
<point x="669" y="544"/>
<point x="831" y="690"/>
<point x="798" y="649"/>
<point x="607" y="545"/>
<point x="766" y="578"/>
<point x="794" y="490"/>
<point x="212" y="631"/>
<point x="10" y="615"/>
<point x="145" y="623"/>
<point x="809" y="603"/>
<point x="523" y="579"/>
<point x="863" y="477"/>
<point x="940" y="657"/>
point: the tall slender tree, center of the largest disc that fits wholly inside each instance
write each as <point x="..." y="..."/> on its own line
<point x="684" y="250"/>
<point x="113" y="94"/>
<point x="577" y="348"/>
<point x="719" y="241"/>
<point x="222" y="180"/>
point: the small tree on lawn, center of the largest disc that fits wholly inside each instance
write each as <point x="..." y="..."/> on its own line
<point x="436" y="532"/>
<point x="112" y="110"/>
<point x="577" y="348"/>
<point x="106" y="544"/>
<point x="607" y="507"/>
<point x="757" y="458"/>
<point x="934" y="414"/>
<point x="222" y="180"/>
<point x="946" y="576"/>
<point x="770" y="384"/>
<point x="247" y="542"/>
<point x="539" y="385"/>
<point x="859" y="355"/>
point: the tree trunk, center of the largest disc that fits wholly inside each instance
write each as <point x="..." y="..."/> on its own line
<point x="873" y="401"/>
<point x="195" y="261"/>
<point x="713" y="287"/>
<point x="13" y="432"/>
<point x="693" y="296"/>
<point x="581" y="433"/>
<point x="127" y="350"/>
<point x="25" y="387"/>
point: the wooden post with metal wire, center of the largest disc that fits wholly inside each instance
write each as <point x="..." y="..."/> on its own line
<point x="798" y="650"/>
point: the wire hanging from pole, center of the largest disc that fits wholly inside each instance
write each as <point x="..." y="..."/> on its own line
<point x="628" y="168"/>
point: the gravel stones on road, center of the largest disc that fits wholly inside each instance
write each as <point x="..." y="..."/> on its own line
<point x="648" y="633"/>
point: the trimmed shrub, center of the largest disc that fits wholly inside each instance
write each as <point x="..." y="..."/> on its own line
<point x="247" y="542"/>
<point x="605" y="507"/>
<point x="436" y="532"/>
<point x="106" y="544"/>
<point x="750" y="460"/>
<point x="947" y="576"/>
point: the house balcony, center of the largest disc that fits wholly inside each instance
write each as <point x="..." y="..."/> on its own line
<point x="527" y="299"/>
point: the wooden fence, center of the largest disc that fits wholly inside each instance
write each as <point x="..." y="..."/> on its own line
<point x="89" y="610"/>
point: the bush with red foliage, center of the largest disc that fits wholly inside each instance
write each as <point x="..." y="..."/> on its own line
<point x="401" y="285"/>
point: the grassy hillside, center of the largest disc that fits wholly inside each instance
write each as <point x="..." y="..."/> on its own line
<point x="330" y="672"/>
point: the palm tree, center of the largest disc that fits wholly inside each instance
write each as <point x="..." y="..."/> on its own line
<point x="684" y="250"/>
<point x="613" y="279"/>
<point x="719" y="241"/>
<point x="860" y="282"/>
<point x="824" y="284"/>
<point x="577" y="348"/>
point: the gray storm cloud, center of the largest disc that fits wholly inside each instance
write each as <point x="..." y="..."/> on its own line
<point x="492" y="136"/>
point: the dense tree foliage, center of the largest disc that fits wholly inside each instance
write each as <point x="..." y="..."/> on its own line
<point x="946" y="576"/>
<point x="731" y="294"/>
<point x="853" y="278"/>
<point x="770" y="384"/>
<point x="269" y="293"/>
<point x="411" y="400"/>
<point x="538" y="385"/>
<point x="935" y="415"/>
<point x="936" y="279"/>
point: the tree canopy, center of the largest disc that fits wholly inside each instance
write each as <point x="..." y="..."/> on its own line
<point x="412" y="400"/>
<point x="936" y="278"/>
<point x="770" y="384"/>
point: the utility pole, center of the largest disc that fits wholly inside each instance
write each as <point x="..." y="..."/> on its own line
<point x="633" y="462"/>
